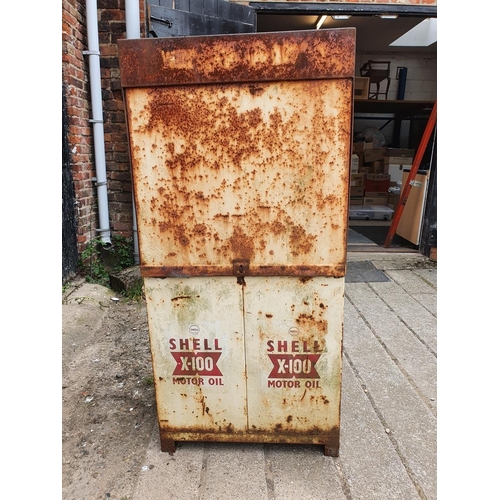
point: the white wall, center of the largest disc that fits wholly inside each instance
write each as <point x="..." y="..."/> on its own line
<point x="421" y="85"/>
<point x="421" y="79"/>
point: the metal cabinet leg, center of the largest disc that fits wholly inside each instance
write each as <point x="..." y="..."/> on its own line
<point x="167" y="445"/>
<point x="331" y="450"/>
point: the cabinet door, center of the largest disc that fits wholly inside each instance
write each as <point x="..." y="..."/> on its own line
<point x="196" y="336"/>
<point x="293" y="343"/>
<point x="243" y="173"/>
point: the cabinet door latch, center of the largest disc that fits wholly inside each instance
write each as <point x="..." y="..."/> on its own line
<point x="240" y="267"/>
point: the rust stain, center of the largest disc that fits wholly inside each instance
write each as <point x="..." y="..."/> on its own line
<point x="180" y="297"/>
<point x="307" y="322"/>
<point x="316" y="436"/>
<point x="242" y="245"/>
<point x="300" y="241"/>
<point x="245" y="57"/>
<point x="320" y="399"/>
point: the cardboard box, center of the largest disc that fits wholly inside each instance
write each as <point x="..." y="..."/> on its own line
<point x="356" y="200"/>
<point x="399" y="156"/>
<point x="354" y="164"/>
<point x="361" y="157"/>
<point x="361" y="87"/>
<point x="378" y="167"/>
<point x="361" y="147"/>
<point x="377" y="182"/>
<point x="357" y="191"/>
<point x="395" y="172"/>
<point x="375" y="194"/>
<point x="370" y="212"/>
<point x="410" y="225"/>
<point x="375" y="154"/>
<point x="433" y="255"/>
<point x="357" y="180"/>
<point x="379" y="200"/>
<point x="365" y="169"/>
<point x="393" y="200"/>
<point x="358" y="147"/>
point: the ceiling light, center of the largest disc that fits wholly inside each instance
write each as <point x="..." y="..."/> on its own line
<point x="339" y="17"/>
<point x="320" y="22"/>
<point x="388" y="16"/>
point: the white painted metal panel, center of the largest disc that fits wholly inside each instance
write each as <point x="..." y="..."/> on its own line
<point x="242" y="171"/>
<point x="196" y="335"/>
<point x="293" y="343"/>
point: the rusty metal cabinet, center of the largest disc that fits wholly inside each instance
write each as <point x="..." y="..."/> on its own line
<point x="240" y="148"/>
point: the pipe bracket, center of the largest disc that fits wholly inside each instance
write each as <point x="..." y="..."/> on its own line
<point x="91" y="53"/>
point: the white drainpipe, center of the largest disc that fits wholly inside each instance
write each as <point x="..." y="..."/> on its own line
<point x="133" y="25"/>
<point x="132" y="19"/>
<point x="97" y="120"/>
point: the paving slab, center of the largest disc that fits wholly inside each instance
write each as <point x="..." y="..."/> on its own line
<point x="302" y="472"/>
<point x="406" y="349"/>
<point x="410" y="282"/>
<point x="176" y="476"/>
<point x="370" y="464"/>
<point x="393" y="260"/>
<point x="417" y="316"/>
<point x="429" y="275"/>
<point x="406" y="416"/>
<point x="363" y="271"/>
<point x="233" y="467"/>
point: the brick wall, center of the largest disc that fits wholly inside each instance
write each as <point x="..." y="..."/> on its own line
<point x="76" y="90"/>
<point x="111" y="25"/>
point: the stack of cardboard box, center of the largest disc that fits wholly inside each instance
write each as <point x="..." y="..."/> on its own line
<point x="396" y="160"/>
<point x="374" y="171"/>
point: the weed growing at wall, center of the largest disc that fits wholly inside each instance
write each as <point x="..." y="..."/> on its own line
<point x="97" y="261"/>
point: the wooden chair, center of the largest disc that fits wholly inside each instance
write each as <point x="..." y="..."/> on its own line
<point x="377" y="71"/>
